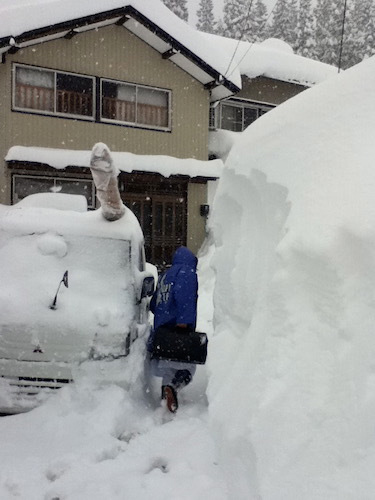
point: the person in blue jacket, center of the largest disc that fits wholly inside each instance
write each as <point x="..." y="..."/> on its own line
<point x="174" y="304"/>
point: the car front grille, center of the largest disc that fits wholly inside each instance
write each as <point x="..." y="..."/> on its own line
<point x="33" y="385"/>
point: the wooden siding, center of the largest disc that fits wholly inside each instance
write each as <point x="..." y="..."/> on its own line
<point x="267" y="90"/>
<point x="114" y="53"/>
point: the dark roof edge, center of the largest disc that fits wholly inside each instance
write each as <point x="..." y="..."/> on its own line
<point x="63" y="26"/>
<point x="36" y="166"/>
<point x="119" y="12"/>
<point x="182" y="49"/>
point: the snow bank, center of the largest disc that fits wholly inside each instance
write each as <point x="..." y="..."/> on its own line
<point x="95" y="440"/>
<point x="221" y="142"/>
<point x="292" y="387"/>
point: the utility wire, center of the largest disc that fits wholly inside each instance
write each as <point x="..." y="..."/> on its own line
<point x="342" y="36"/>
<point x="241" y="35"/>
<point x="251" y="44"/>
<point x="264" y="25"/>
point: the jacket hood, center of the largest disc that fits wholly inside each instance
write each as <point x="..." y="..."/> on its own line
<point x="183" y="256"/>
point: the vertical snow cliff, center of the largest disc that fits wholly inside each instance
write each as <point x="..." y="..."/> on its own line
<point x="292" y="362"/>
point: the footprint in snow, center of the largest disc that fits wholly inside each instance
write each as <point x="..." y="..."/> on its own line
<point x="159" y="463"/>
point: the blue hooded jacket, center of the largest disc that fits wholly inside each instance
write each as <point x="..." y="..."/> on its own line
<point x="175" y="299"/>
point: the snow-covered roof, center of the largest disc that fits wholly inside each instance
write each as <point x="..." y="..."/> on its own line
<point x="27" y="22"/>
<point x="126" y="162"/>
<point x="272" y="58"/>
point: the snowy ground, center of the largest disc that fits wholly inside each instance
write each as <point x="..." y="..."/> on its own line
<point x="95" y="440"/>
<point x="290" y="376"/>
<point x="92" y="442"/>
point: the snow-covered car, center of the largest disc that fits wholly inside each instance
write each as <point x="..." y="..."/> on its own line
<point x="74" y="286"/>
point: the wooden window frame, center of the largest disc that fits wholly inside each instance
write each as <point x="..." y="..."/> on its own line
<point x="56" y="94"/>
<point x="135" y="123"/>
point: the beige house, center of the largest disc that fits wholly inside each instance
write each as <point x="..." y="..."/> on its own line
<point x="257" y="96"/>
<point x="137" y="78"/>
<point x="116" y="77"/>
<point x="270" y="75"/>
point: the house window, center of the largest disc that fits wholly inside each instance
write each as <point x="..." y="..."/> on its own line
<point x="135" y="104"/>
<point x="236" y="115"/>
<point x="53" y="92"/>
<point x="24" y="185"/>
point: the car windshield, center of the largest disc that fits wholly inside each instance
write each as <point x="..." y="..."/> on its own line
<point x="99" y="280"/>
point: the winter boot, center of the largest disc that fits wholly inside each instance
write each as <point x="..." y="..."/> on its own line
<point x="170" y="395"/>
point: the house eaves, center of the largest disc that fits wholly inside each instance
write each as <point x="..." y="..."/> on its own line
<point x="142" y="26"/>
<point x="166" y="166"/>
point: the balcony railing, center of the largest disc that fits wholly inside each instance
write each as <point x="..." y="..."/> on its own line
<point x="127" y="111"/>
<point x="74" y="103"/>
<point x="116" y="109"/>
<point x="33" y="97"/>
<point x="43" y="99"/>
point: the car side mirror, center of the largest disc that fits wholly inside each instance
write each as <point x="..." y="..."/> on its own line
<point x="148" y="287"/>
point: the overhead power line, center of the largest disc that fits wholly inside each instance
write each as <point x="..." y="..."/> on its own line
<point x="264" y="25"/>
<point x="241" y="35"/>
<point x="342" y="35"/>
<point x="251" y="44"/>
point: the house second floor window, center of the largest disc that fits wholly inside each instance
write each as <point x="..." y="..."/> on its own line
<point x="60" y="93"/>
<point x="236" y="115"/>
<point x="53" y="92"/>
<point x="135" y="104"/>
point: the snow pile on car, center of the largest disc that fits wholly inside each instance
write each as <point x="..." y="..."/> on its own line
<point x="292" y="387"/>
<point x="37" y="246"/>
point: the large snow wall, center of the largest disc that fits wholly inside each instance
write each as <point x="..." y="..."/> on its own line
<point x="292" y="361"/>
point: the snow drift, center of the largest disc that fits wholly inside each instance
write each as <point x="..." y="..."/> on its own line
<point x="292" y="387"/>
